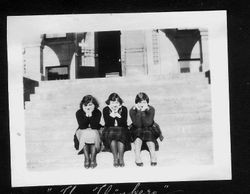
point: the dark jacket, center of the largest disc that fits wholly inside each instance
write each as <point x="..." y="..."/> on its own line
<point x="110" y="121"/>
<point x="85" y="122"/>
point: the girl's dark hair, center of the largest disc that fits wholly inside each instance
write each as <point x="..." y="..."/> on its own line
<point x="87" y="99"/>
<point x="114" y="97"/>
<point x="140" y="97"/>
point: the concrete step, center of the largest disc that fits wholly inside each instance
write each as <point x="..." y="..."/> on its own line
<point x="177" y="78"/>
<point x="68" y="118"/>
<point x="187" y="144"/>
<point x="104" y="84"/>
<point x="160" y="113"/>
<point x="119" y="84"/>
<point x="128" y="96"/>
<point x="39" y="135"/>
<point x="183" y="110"/>
<point x="67" y="106"/>
<point x="173" y="151"/>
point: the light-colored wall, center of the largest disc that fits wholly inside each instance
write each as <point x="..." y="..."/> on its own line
<point x="153" y="68"/>
<point x="31" y="62"/>
<point x="169" y="56"/>
<point x="194" y="65"/>
<point x="133" y="54"/>
<point x="49" y="58"/>
<point x="196" y="51"/>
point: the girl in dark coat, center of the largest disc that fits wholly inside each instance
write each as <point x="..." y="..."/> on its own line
<point x="87" y="135"/>
<point x="144" y="131"/>
<point x="115" y="134"/>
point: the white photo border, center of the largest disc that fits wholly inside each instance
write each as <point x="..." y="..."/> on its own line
<point x="21" y="29"/>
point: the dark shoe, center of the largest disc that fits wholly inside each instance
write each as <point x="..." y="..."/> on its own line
<point x="86" y="165"/>
<point x="139" y="164"/>
<point x="116" y="163"/>
<point x="81" y="152"/>
<point x="93" y="164"/>
<point x="121" y="164"/>
<point x="153" y="163"/>
<point x="76" y="142"/>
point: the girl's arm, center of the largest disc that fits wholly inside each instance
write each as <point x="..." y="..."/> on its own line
<point x="148" y="117"/>
<point x="109" y="121"/>
<point x="122" y="121"/>
<point x="95" y="119"/>
<point x="136" y="117"/>
<point x="81" y="120"/>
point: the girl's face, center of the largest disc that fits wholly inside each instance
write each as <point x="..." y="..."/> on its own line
<point x="142" y="104"/>
<point x="114" y="104"/>
<point x="89" y="107"/>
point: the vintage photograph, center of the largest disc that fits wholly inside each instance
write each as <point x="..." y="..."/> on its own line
<point x="127" y="97"/>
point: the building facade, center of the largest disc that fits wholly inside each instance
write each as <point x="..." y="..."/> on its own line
<point x="116" y="53"/>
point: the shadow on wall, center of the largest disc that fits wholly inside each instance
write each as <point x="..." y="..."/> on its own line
<point x="29" y="88"/>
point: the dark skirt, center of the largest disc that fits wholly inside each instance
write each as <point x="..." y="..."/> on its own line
<point x="118" y="134"/>
<point x="146" y="134"/>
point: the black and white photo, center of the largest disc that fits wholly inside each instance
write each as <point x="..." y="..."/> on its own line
<point x="118" y="98"/>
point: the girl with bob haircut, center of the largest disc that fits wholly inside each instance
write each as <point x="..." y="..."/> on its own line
<point x="144" y="131"/>
<point x="87" y="139"/>
<point x="115" y="135"/>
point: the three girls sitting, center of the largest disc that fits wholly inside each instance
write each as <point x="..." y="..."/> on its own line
<point x="116" y="137"/>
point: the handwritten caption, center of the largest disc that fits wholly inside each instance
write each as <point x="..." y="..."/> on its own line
<point x="111" y="189"/>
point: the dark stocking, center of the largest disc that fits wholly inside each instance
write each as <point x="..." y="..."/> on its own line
<point x="86" y="152"/>
<point x="121" y="153"/>
<point x="93" y="151"/>
<point x="113" y="147"/>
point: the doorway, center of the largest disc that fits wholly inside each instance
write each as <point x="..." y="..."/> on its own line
<point x="109" y="53"/>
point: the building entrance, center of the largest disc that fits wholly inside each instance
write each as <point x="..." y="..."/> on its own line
<point x="109" y="53"/>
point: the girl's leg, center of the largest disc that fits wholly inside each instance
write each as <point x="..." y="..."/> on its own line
<point x="86" y="152"/>
<point x="113" y="147"/>
<point x="151" y="147"/>
<point x="138" y="144"/>
<point x="93" y="152"/>
<point x="121" y="153"/>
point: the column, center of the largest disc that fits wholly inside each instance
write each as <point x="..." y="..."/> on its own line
<point x="123" y="54"/>
<point x="72" y="75"/>
<point x="204" y="49"/>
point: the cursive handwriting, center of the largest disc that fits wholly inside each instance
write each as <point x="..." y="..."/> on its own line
<point x="109" y="189"/>
<point x="68" y="190"/>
